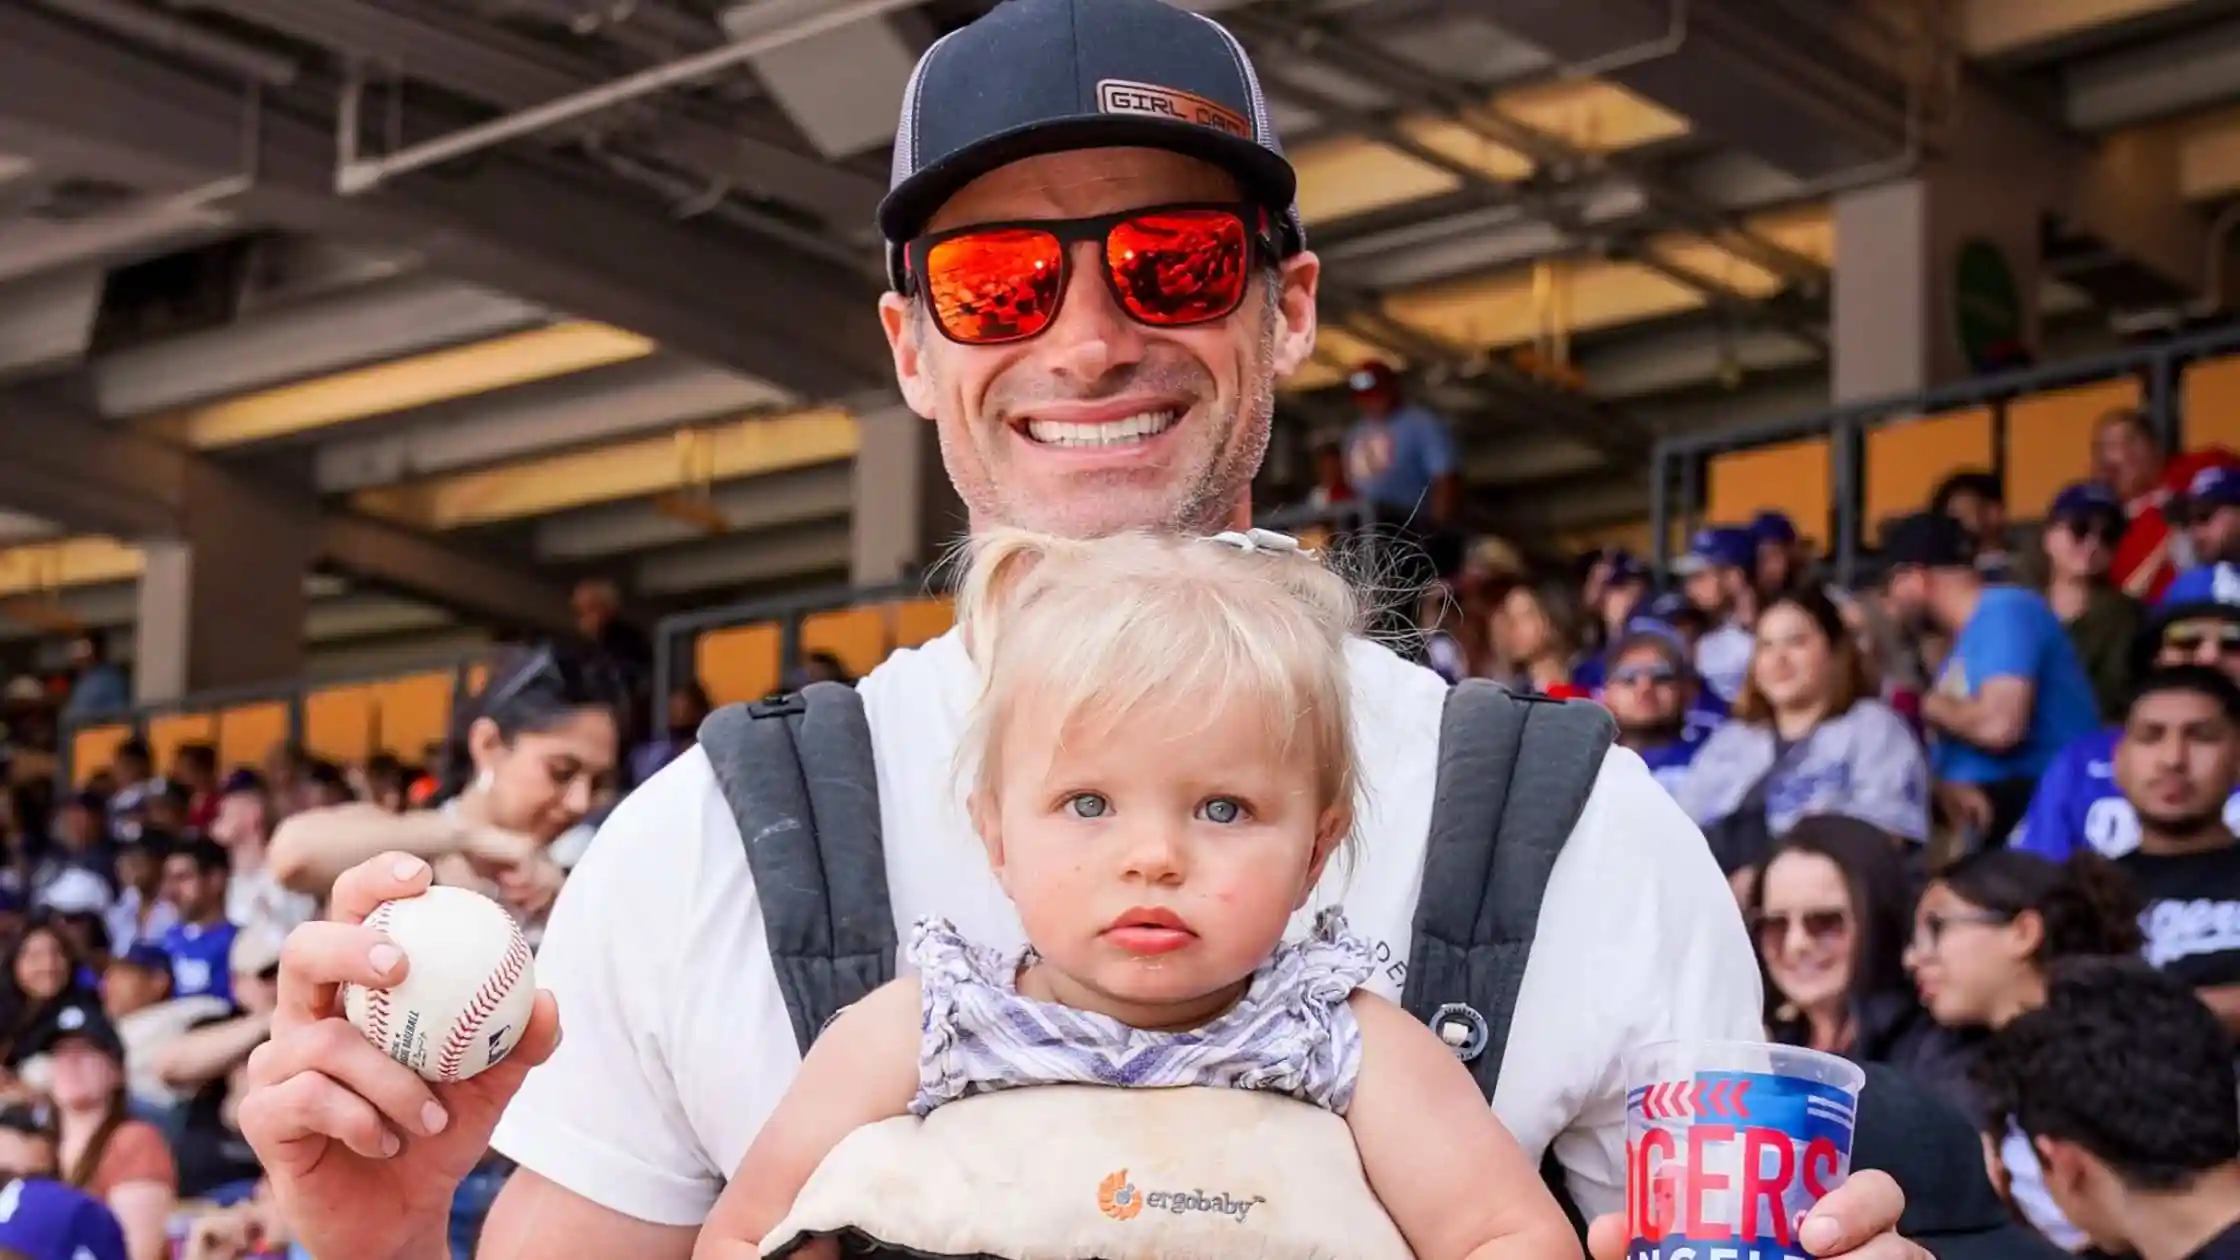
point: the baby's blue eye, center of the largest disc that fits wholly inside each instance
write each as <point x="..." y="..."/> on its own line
<point x="1221" y="809"/>
<point x="1087" y="805"/>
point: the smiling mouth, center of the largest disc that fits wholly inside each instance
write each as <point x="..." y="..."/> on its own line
<point x="1128" y="430"/>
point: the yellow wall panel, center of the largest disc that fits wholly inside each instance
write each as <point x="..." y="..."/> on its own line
<point x="923" y="620"/>
<point x="166" y="734"/>
<point x="2210" y="405"/>
<point x="739" y="663"/>
<point x="858" y="636"/>
<point x="1791" y="477"/>
<point x="249" y="733"/>
<point x="1906" y="460"/>
<point x="2049" y="440"/>
<point x="338" y="723"/>
<point x="412" y="713"/>
<point x="93" y="748"/>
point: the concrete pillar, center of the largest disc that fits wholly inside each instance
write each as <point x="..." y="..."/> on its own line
<point x="906" y="514"/>
<point x="1936" y="279"/>
<point x="223" y="604"/>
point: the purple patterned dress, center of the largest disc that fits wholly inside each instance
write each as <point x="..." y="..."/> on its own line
<point x="1291" y="1033"/>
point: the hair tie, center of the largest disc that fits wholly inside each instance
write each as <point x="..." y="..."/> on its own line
<point x="1254" y="541"/>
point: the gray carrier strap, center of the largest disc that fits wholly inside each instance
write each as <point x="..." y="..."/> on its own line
<point x="1514" y="774"/>
<point x="798" y="774"/>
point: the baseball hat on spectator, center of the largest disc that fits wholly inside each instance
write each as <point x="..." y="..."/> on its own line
<point x="1718" y="547"/>
<point x="1373" y="376"/>
<point x="2210" y="488"/>
<point x="76" y="890"/>
<point x="1035" y="77"/>
<point x="1774" y="527"/>
<point x="80" y="1017"/>
<point x="1928" y="540"/>
<point x="31" y="1119"/>
<point x="2083" y="500"/>
<point x="1654" y="632"/>
<point x="2211" y="591"/>
<point x="48" y="1220"/>
<point x="242" y="780"/>
<point x="1928" y="1147"/>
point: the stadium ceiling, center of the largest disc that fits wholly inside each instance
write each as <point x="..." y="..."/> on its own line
<point x="629" y="335"/>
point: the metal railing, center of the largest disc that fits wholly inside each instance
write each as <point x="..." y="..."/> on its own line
<point x="1676" y="488"/>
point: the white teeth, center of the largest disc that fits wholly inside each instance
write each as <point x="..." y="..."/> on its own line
<point x="1134" y="428"/>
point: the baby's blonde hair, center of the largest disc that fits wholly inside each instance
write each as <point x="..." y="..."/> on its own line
<point x="1105" y="628"/>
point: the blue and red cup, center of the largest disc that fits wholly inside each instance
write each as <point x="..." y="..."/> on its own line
<point x="1730" y="1143"/>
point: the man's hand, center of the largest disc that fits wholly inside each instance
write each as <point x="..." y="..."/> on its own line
<point x="1967" y="806"/>
<point x="364" y="1156"/>
<point x="1857" y="1221"/>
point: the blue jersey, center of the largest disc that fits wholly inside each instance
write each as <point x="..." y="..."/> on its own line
<point x="2079" y="806"/>
<point x="1668" y="763"/>
<point x="200" y="960"/>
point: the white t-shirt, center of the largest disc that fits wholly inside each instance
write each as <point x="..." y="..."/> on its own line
<point x="678" y="1046"/>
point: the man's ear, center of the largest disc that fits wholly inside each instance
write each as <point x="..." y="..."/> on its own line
<point x="1330" y="831"/>
<point x="2065" y="1165"/>
<point x="1295" y="318"/>
<point x="906" y="332"/>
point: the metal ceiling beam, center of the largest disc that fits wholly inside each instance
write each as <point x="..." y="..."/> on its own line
<point x="60" y="462"/>
<point x="83" y="103"/>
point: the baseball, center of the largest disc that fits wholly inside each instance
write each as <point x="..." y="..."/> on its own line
<point x="466" y="996"/>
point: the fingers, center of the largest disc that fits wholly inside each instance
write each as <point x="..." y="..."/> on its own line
<point x="1854" y="1214"/>
<point x="1606" y="1237"/>
<point x="387" y="877"/>
<point x="307" y="1106"/>
<point x="338" y="1054"/>
<point x="319" y="956"/>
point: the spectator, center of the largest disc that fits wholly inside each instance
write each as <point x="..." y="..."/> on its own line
<point x="820" y="666"/>
<point x="1718" y="578"/>
<point x="194" y="879"/>
<point x="79" y="901"/>
<point x="1985" y="933"/>
<point x="2209" y="509"/>
<point x="140" y="913"/>
<point x="136" y="994"/>
<point x="1536" y="634"/>
<point x="194" y="770"/>
<point x="42" y="978"/>
<point x="2103" y="623"/>
<point x="80" y="842"/>
<point x="598" y="608"/>
<point x="1400" y="461"/>
<point x="387" y="782"/>
<point x="2128" y="458"/>
<point x="1651" y="691"/>
<point x="243" y="826"/>
<point x="526" y="761"/>
<point x="688" y="707"/>
<point x="1806" y="737"/>
<point x="1978" y="501"/>
<point x="121" y="1161"/>
<point x="206" y="1063"/>
<point x="27" y="1141"/>
<point x="97" y="687"/>
<point x="46" y="1220"/>
<point x="1829" y="912"/>
<point x="1909" y="1131"/>
<point x="1616" y="591"/>
<point x="2078" y="804"/>
<point x="1331" y="489"/>
<point x="2010" y="694"/>
<point x="1784" y="560"/>
<point x="2178" y="763"/>
<point x="2125" y="1085"/>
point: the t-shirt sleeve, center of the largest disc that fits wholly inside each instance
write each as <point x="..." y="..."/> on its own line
<point x="603" y="1117"/>
<point x="1640" y="941"/>
<point x="136" y="1152"/>
<point x="2005" y="641"/>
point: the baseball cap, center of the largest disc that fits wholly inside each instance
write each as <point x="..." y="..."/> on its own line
<point x="2213" y="590"/>
<point x="1372" y="376"/>
<point x="76" y="890"/>
<point x="1050" y="76"/>
<point x="242" y="780"/>
<point x="1718" y="547"/>
<point x="2214" y="487"/>
<point x="1933" y="1153"/>
<point x="78" y="1016"/>
<point x="32" y="1119"/>
<point x="2082" y="499"/>
<point x="1774" y="527"/>
<point x="48" y="1220"/>
<point x="1928" y="540"/>
<point x="1642" y="631"/>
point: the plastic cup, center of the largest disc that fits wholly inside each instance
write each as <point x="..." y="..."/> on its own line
<point x="1730" y="1143"/>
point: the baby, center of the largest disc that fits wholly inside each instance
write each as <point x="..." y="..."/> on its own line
<point x="1160" y="767"/>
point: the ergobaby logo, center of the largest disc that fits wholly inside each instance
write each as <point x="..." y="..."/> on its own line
<point x="1118" y="1198"/>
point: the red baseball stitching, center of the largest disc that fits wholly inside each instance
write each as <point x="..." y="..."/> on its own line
<point x="377" y="1000"/>
<point x="468" y="1026"/>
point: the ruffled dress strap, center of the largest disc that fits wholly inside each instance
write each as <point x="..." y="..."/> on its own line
<point x="961" y="985"/>
<point x="1311" y="1042"/>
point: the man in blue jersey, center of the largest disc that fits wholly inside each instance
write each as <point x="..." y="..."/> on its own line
<point x="47" y="1220"/>
<point x="194" y="879"/>
<point x="1651" y="690"/>
<point x="2010" y="695"/>
<point x="2078" y="804"/>
<point x="1718" y="573"/>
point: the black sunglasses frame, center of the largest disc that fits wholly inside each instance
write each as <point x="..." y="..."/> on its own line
<point x="1260" y="243"/>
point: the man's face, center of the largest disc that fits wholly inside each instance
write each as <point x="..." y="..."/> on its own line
<point x="1645" y="691"/>
<point x="2210" y="641"/>
<point x="2124" y="459"/>
<point x="185" y="886"/>
<point x="1094" y="365"/>
<point x="2215" y="534"/>
<point x="1707" y="590"/>
<point x="2080" y="546"/>
<point x="2177" y="760"/>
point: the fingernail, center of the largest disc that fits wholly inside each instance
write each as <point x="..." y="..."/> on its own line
<point x="384" y="958"/>
<point x="408" y="868"/>
<point x="390" y="1143"/>
<point x="1819" y="1234"/>
<point x="433" y="1118"/>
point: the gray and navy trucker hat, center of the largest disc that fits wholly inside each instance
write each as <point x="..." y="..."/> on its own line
<point x="1047" y="76"/>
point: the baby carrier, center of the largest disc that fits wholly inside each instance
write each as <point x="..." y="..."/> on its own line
<point x="1068" y="1172"/>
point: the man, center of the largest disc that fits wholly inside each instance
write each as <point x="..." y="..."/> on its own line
<point x="194" y="879"/>
<point x="1082" y="417"/>
<point x="2081" y="531"/>
<point x="2078" y="803"/>
<point x="1401" y="463"/>
<point x="99" y="687"/>
<point x="136" y="995"/>
<point x="1978" y="501"/>
<point x="1784" y="559"/>
<point x="1651" y="690"/>
<point x="2178" y="764"/>
<point x="2210" y="512"/>
<point x="2010" y="695"/>
<point x="243" y="824"/>
<point x="2128" y="458"/>
<point x="1718" y="575"/>
<point x="2124" y="1084"/>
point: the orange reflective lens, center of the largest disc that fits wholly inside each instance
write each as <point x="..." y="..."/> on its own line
<point x="1166" y="267"/>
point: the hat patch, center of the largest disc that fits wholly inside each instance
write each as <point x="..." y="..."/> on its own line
<point x="1119" y="96"/>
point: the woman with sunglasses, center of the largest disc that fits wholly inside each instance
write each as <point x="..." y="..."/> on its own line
<point x="1807" y="736"/>
<point x="528" y="758"/>
<point x="1985" y="933"/>
<point x="1828" y="912"/>
<point x="2082" y="528"/>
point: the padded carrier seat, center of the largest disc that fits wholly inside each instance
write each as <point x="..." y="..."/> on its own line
<point x="1082" y="1172"/>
